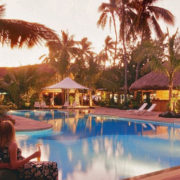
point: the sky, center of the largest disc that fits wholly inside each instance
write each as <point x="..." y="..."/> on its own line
<point x="77" y="17"/>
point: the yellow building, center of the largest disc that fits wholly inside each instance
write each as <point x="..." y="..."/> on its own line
<point x="154" y="85"/>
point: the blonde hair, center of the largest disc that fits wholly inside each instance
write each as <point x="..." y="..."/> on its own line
<point x="7" y="133"/>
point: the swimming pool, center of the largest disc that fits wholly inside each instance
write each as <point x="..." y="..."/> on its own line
<point x="87" y="146"/>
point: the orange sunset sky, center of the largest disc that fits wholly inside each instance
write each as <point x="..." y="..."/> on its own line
<point x="78" y="17"/>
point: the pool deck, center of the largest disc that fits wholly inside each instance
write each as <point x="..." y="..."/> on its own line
<point x="166" y="174"/>
<point x="152" y="116"/>
<point x="25" y="124"/>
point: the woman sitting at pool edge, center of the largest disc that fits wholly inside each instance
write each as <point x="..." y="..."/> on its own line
<point x="11" y="158"/>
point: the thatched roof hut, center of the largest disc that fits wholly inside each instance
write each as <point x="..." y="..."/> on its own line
<point x="154" y="81"/>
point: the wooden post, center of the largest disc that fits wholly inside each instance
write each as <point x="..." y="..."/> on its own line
<point x="52" y="99"/>
<point x="77" y="97"/>
<point x="90" y="98"/>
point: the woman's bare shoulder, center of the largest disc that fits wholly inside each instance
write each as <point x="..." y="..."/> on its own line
<point x="13" y="145"/>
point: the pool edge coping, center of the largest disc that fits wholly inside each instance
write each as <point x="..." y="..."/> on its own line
<point x="152" y="174"/>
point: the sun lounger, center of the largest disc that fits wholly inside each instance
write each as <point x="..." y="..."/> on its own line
<point x="151" y="108"/>
<point x="142" y="107"/>
<point x="37" y="104"/>
<point x="43" y="105"/>
<point x="148" y="111"/>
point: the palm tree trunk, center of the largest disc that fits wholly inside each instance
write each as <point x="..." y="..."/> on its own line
<point x="137" y="71"/>
<point x="124" y="57"/>
<point x="115" y="30"/>
<point x="90" y="98"/>
<point x="171" y="108"/>
<point x="138" y="63"/>
<point x="118" y="100"/>
<point x="112" y="97"/>
<point x="125" y="71"/>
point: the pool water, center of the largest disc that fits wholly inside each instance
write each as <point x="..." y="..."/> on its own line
<point x="89" y="147"/>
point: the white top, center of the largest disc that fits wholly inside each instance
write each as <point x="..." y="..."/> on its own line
<point x="66" y="83"/>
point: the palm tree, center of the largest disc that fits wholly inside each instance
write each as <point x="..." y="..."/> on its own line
<point x="109" y="11"/>
<point x="61" y="54"/>
<point x="109" y="47"/>
<point x="92" y="72"/>
<point x="148" y="16"/>
<point x="81" y="60"/>
<point x="144" y="52"/>
<point x="17" y="33"/>
<point x="107" y="52"/>
<point x="146" y="20"/>
<point x="102" y="58"/>
<point x="111" y="79"/>
<point x="85" y="48"/>
<point x="126" y="17"/>
<point x="170" y="67"/>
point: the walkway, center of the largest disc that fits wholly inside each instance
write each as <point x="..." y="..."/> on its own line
<point x="25" y="124"/>
<point x="153" y="116"/>
<point x="166" y="174"/>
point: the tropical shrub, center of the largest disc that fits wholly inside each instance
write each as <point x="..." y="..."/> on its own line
<point x="178" y="106"/>
<point x="3" y="110"/>
<point x="3" y="114"/>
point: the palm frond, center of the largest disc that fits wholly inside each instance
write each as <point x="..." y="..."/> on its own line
<point x="102" y="7"/>
<point x="107" y="6"/>
<point x="149" y="2"/>
<point x="85" y="46"/>
<point x="157" y="65"/>
<point x="145" y="29"/>
<point x="171" y="47"/>
<point x="121" y="34"/>
<point x="17" y="33"/>
<point x="177" y="46"/>
<point x="2" y="11"/>
<point x="157" y="28"/>
<point x="166" y="15"/>
<point x="177" y="65"/>
<point x="110" y="22"/>
<point x="102" y="20"/>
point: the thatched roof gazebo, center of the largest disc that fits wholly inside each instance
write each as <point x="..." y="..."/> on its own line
<point x="155" y="85"/>
<point x="66" y="83"/>
<point x="65" y="87"/>
<point x="154" y="81"/>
